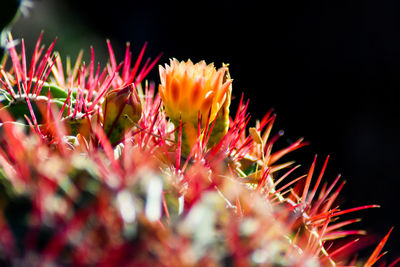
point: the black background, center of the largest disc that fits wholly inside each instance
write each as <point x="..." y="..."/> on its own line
<point x="330" y="69"/>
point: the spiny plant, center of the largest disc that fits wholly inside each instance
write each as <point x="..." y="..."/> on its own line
<point x="98" y="167"/>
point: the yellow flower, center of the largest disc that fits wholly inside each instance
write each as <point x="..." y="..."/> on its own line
<point x="194" y="91"/>
<point x="189" y="90"/>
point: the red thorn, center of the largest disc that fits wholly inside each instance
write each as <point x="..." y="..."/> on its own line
<point x="308" y="181"/>
<point x="136" y="67"/>
<point x="375" y="254"/>
<point x="321" y="174"/>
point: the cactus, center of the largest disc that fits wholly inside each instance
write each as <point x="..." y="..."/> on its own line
<point x="77" y="99"/>
<point x="99" y="168"/>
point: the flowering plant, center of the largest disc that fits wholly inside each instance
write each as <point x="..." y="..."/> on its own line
<point x="97" y="167"/>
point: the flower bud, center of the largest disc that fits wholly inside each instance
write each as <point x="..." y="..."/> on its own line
<point x="122" y="110"/>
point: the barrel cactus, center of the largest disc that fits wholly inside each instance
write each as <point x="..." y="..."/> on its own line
<point x="97" y="167"/>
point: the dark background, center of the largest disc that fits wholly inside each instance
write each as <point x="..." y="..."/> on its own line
<point x="330" y="69"/>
